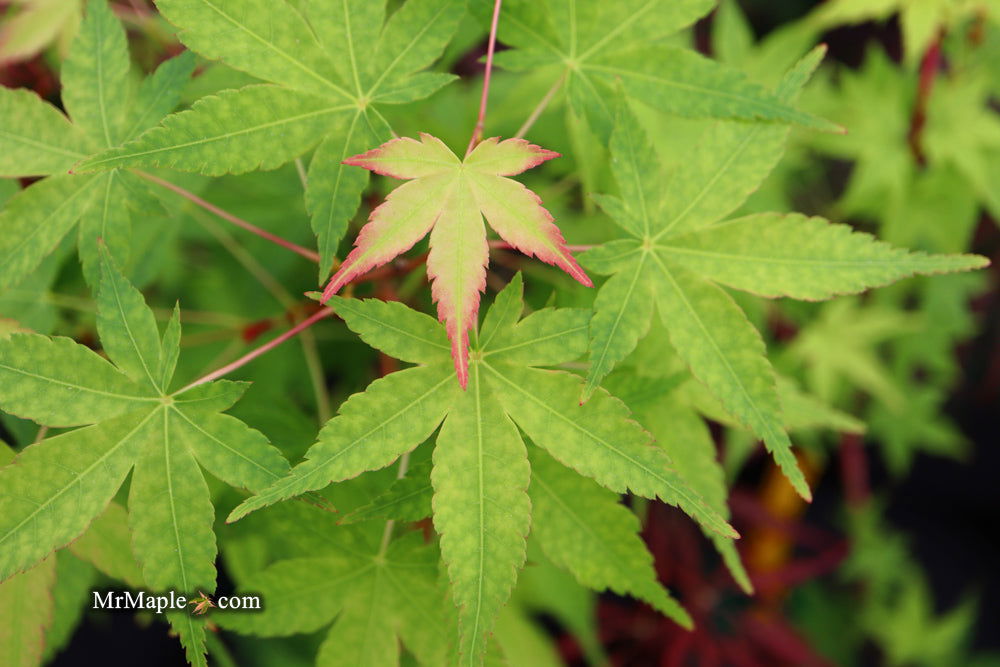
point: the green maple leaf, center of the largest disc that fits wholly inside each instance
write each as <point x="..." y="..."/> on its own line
<point x="37" y="24"/>
<point x="684" y="435"/>
<point x="593" y="45"/>
<point x="480" y="464"/>
<point x="36" y="139"/>
<point x="581" y="526"/>
<point x="450" y="198"/>
<point x="839" y="351"/>
<point x="679" y="252"/>
<point x="41" y="606"/>
<point x="26" y="614"/>
<point x="25" y="606"/>
<point x="130" y="421"/>
<point x="406" y="499"/>
<point x="331" y="67"/>
<point x="371" y="596"/>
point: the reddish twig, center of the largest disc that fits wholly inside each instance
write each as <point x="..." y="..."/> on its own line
<point x="229" y="217"/>
<point x="266" y="347"/>
<point x="928" y="72"/>
<point x="477" y="133"/>
<point x="854" y="470"/>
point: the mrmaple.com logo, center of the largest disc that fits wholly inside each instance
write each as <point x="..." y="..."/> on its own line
<point x="171" y="601"/>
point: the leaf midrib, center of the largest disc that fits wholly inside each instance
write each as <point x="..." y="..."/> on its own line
<point x="218" y="137"/>
<point x="319" y="464"/>
<point x="360" y="312"/>
<point x="34" y="143"/>
<point x="901" y="261"/>
<point x="679" y="491"/>
<point x="223" y="444"/>
<point x="780" y="110"/>
<point x="12" y="253"/>
<point x="79" y="476"/>
<point x="172" y="501"/>
<point x="764" y="424"/>
<point x="593" y="378"/>
<point x="125" y="320"/>
<point x="395" y="61"/>
<point x="91" y="390"/>
<point x="750" y="135"/>
<point x="533" y="341"/>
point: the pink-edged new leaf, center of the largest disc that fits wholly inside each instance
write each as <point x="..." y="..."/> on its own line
<point x="507" y="158"/>
<point x="406" y="158"/>
<point x="456" y="266"/>
<point x="405" y="216"/>
<point x="517" y="215"/>
<point x="450" y="197"/>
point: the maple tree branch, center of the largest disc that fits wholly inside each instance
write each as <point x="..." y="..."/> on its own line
<point x="266" y="347"/>
<point x="477" y="133"/>
<point x="229" y="217"/>
<point x="540" y="107"/>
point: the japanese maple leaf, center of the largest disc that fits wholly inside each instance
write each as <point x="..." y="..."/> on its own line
<point x="680" y="248"/>
<point x="366" y="595"/>
<point x="129" y="422"/>
<point x="449" y="197"/>
<point x="481" y="466"/>
<point x="104" y="108"/>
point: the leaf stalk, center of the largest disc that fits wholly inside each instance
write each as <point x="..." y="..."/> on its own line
<point x="477" y="133"/>
<point x="229" y="217"/>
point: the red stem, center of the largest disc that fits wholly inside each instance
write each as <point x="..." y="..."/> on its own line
<point x="928" y="71"/>
<point x="266" y="347"/>
<point x="854" y="470"/>
<point x="229" y="217"/>
<point x="477" y="133"/>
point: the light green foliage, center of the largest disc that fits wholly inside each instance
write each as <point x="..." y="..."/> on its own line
<point x="401" y="332"/>
<point x="372" y="596"/>
<point x="25" y="606"/>
<point x="594" y="45"/>
<point x="661" y="404"/>
<point x="408" y="499"/>
<point x="480" y="469"/>
<point x="36" y="139"/>
<point x="897" y="609"/>
<point x="265" y="113"/>
<point x="56" y="487"/>
<point x="481" y="510"/>
<point x="327" y="84"/>
<point x="920" y="21"/>
<point x="678" y="253"/>
<point x="37" y="218"/>
<point x="95" y="75"/>
<point x="583" y="528"/>
<point x="833" y="353"/>
<point x="25" y="613"/>
<point x="74" y="587"/>
<point x="106" y="546"/>
<point x="36" y="25"/>
<point x="777" y="255"/>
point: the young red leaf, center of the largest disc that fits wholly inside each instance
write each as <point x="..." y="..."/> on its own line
<point x="452" y="196"/>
